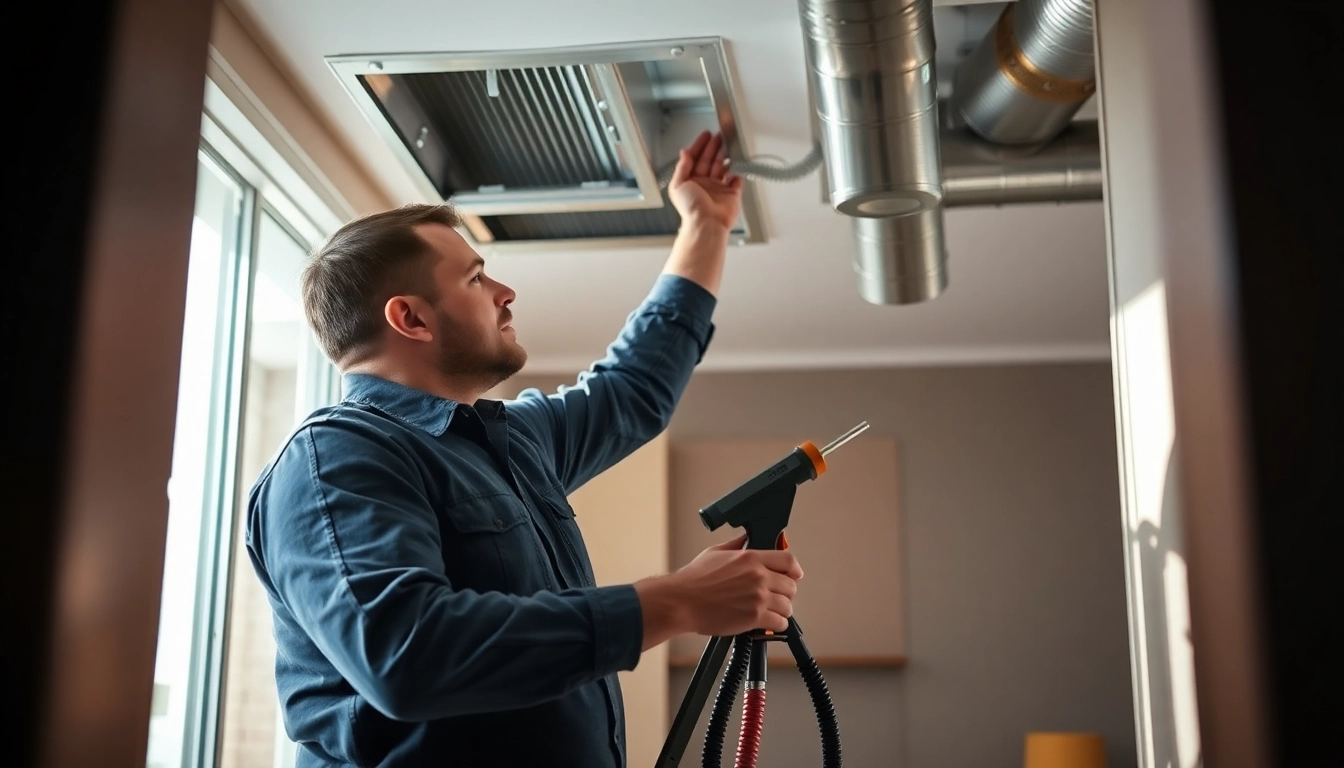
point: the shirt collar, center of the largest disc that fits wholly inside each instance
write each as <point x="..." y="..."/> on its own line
<point x="420" y="409"/>
<point x="429" y="412"/>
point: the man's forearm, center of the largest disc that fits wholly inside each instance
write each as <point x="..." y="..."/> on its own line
<point x="699" y="253"/>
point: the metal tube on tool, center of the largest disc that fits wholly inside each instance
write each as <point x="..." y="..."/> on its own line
<point x="845" y="438"/>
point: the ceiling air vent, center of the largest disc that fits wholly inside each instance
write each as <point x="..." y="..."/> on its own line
<point x="570" y="145"/>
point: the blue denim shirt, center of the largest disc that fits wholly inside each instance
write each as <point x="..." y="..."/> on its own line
<point x="434" y="603"/>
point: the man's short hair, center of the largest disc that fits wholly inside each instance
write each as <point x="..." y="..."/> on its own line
<point x="366" y="262"/>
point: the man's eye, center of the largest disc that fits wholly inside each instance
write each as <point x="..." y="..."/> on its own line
<point x="477" y="278"/>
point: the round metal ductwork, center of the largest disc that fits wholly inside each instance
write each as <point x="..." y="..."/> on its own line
<point x="901" y="259"/>
<point x="871" y="67"/>
<point x="1027" y="78"/>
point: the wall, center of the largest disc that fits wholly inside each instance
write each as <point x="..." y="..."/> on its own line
<point x="239" y="63"/>
<point x="1015" y="604"/>
<point x="626" y="543"/>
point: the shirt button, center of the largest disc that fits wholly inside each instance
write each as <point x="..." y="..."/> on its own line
<point x="499" y="524"/>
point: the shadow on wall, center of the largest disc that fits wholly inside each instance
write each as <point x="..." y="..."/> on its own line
<point x="1168" y="728"/>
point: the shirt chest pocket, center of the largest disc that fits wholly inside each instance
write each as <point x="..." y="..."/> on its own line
<point x="488" y="545"/>
<point x="570" y="536"/>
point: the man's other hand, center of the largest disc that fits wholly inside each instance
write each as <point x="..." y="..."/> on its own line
<point x="725" y="590"/>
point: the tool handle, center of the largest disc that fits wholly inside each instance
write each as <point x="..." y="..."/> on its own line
<point x="765" y="537"/>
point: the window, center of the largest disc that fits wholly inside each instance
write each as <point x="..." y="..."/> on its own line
<point x="250" y="372"/>
<point x="280" y="391"/>
<point x="196" y="485"/>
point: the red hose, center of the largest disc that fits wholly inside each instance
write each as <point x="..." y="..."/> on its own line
<point x="753" y="720"/>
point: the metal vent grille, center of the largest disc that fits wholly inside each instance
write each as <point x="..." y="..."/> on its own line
<point x="541" y="128"/>
<point x="585" y="225"/>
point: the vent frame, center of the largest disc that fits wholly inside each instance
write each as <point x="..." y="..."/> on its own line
<point x="615" y="71"/>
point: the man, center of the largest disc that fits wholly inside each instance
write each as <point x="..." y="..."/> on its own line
<point x="433" y="601"/>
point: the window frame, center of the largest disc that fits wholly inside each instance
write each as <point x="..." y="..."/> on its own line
<point x="270" y="187"/>
<point x="209" y="631"/>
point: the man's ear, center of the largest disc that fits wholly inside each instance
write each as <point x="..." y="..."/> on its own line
<point x="409" y="316"/>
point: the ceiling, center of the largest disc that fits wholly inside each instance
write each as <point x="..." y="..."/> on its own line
<point x="1027" y="283"/>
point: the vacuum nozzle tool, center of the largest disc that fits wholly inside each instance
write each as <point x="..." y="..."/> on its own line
<point x="762" y="504"/>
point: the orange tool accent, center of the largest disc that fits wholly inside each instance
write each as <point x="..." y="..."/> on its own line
<point x="814" y="454"/>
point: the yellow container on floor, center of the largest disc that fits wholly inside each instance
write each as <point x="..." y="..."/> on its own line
<point x="1064" y="750"/>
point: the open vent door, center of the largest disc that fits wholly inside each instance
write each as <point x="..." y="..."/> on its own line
<point x="567" y="146"/>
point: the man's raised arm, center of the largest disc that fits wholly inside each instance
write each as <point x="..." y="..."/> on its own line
<point x="627" y="398"/>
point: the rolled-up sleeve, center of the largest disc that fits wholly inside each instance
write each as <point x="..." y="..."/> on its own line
<point x="628" y="397"/>
<point x="347" y="539"/>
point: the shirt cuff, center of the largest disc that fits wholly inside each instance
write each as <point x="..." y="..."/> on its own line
<point x="618" y="627"/>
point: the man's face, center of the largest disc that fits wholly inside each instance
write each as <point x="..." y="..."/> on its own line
<point x="475" y="338"/>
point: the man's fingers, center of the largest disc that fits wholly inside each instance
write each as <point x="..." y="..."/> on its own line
<point x="780" y="561"/>
<point x="732" y="544"/>
<point x="705" y="159"/>
<point x="719" y="169"/>
<point x="776" y="620"/>
<point x="685" y="164"/>
<point x="698" y="145"/>
<point x="783" y="585"/>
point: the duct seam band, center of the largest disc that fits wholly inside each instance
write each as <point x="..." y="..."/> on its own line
<point x="1029" y="78"/>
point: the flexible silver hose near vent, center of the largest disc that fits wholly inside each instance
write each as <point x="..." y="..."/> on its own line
<point x="756" y="169"/>
<point x="759" y="170"/>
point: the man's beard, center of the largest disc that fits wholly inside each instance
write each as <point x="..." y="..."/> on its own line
<point x="462" y="357"/>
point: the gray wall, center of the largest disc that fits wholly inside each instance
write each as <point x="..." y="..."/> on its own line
<point x="1015" y="590"/>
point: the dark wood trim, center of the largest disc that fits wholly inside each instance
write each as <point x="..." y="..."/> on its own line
<point x="103" y="173"/>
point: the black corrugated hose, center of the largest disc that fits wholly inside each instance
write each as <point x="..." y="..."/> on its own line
<point x="723" y="702"/>
<point x="732" y="682"/>
<point x="821" y="701"/>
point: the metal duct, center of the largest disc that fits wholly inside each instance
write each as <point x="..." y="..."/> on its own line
<point x="871" y="71"/>
<point x="903" y="259"/>
<point x="900" y="259"/>
<point x="1030" y="74"/>
<point x="871" y="67"/>
<point x="978" y="173"/>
